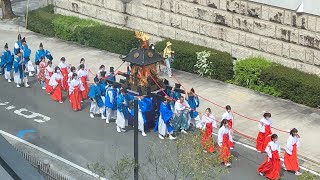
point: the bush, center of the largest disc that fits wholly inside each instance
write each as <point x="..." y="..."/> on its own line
<point x="108" y="38"/>
<point x="186" y="59"/>
<point x="247" y="74"/>
<point x="86" y="32"/>
<point x="41" y="21"/>
<point x="68" y="27"/>
<point x="293" y="84"/>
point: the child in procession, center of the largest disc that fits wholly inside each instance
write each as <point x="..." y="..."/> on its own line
<point x="264" y="134"/>
<point x="270" y="168"/>
<point x="224" y="138"/>
<point x="209" y="122"/>
<point x="56" y="85"/>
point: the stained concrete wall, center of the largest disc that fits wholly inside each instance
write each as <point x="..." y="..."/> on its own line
<point x="240" y="27"/>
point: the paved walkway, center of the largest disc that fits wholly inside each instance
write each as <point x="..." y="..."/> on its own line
<point x="285" y="114"/>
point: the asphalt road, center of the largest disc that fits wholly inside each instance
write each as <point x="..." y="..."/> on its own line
<point x="82" y="140"/>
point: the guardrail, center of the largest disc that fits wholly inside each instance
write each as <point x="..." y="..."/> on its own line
<point x="43" y="167"/>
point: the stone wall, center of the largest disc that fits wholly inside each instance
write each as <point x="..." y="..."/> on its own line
<point x="240" y="27"/>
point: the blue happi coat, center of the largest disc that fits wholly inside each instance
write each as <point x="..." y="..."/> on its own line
<point x="17" y="45"/>
<point x="120" y="100"/>
<point x="95" y="93"/>
<point x="102" y="86"/>
<point x="7" y="59"/>
<point x="42" y="53"/>
<point x="18" y="67"/>
<point x="144" y="107"/>
<point x="111" y="77"/>
<point x="194" y="104"/>
<point x="26" y="53"/>
<point x="108" y="103"/>
<point x="166" y="115"/>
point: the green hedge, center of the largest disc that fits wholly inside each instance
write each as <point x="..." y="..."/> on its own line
<point x="293" y="84"/>
<point x="186" y="58"/>
<point x="247" y="74"/>
<point x="86" y="32"/>
<point x="108" y="38"/>
<point x="41" y="21"/>
<point x="68" y="27"/>
<point x="254" y="72"/>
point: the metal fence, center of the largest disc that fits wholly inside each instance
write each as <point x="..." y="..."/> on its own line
<point x="43" y="167"/>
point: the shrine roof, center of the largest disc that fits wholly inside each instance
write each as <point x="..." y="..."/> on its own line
<point x="142" y="57"/>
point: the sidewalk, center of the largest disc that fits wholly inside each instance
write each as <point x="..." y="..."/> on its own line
<point x="285" y="114"/>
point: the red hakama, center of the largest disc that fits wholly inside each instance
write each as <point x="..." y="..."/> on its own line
<point x="206" y="139"/>
<point x="75" y="99"/>
<point x="231" y="145"/>
<point x="48" y="87"/>
<point x="86" y="88"/>
<point x="291" y="161"/>
<point x="64" y="72"/>
<point x="271" y="169"/>
<point x="224" y="149"/>
<point x="263" y="139"/>
<point x="56" y="93"/>
<point x="230" y="123"/>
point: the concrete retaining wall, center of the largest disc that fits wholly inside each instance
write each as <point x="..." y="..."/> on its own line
<point x="240" y="27"/>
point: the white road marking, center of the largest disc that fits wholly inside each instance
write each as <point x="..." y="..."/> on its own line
<point x="37" y="117"/>
<point x="4" y="103"/>
<point x="51" y="154"/>
<point x="254" y="149"/>
<point x="31" y="115"/>
<point x="10" y="107"/>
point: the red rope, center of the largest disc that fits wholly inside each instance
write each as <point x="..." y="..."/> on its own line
<point x="222" y="106"/>
<point x="89" y="70"/>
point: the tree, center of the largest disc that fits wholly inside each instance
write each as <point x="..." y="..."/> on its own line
<point x="169" y="160"/>
<point x="181" y="159"/>
<point x="7" y="12"/>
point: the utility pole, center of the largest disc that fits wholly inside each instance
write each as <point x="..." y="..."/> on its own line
<point x="135" y="123"/>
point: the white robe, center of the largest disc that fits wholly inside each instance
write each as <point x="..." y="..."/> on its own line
<point x="16" y="76"/>
<point x="140" y="121"/>
<point x="262" y="124"/>
<point x="290" y="142"/>
<point x="48" y="71"/>
<point x="30" y="66"/>
<point x="227" y="116"/>
<point x="121" y="120"/>
<point x="208" y="119"/>
<point x="53" y="80"/>
<point x="63" y="65"/>
<point x="73" y="83"/>
<point x="82" y="73"/>
<point x="223" y="130"/>
<point x="272" y="146"/>
<point x="162" y="127"/>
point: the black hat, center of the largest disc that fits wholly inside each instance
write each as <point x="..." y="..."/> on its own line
<point x="6" y="46"/>
<point x="166" y="82"/>
<point x="41" y="45"/>
<point x="168" y="88"/>
<point x="180" y="91"/>
<point x="103" y="73"/>
<point x="18" y="51"/>
<point x="109" y="81"/>
<point x="19" y="37"/>
<point x="111" y="69"/>
<point x="63" y="59"/>
<point x="177" y="85"/>
<point x="96" y="79"/>
<point x="23" y="40"/>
